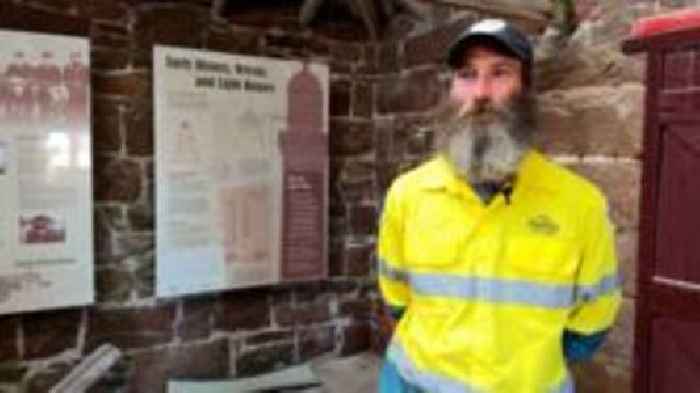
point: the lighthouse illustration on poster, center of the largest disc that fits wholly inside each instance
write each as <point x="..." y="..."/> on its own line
<point x="241" y="170"/>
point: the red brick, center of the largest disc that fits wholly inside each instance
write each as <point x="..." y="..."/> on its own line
<point x="197" y="314"/>
<point x="356" y="338"/>
<point x="116" y="179"/>
<point x="106" y="124"/>
<point x="350" y="138"/>
<point x="139" y="130"/>
<point x="131" y="328"/>
<point x="339" y="101"/>
<point x="234" y="41"/>
<point x="302" y="315"/>
<point x="153" y="369"/>
<point x="113" y="284"/>
<point x="106" y="59"/>
<point x="264" y="359"/>
<point x="50" y="333"/>
<point x="359" y="309"/>
<point x="315" y="341"/>
<point x="181" y="25"/>
<point x="362" y="99"/>
<point x="24" y="18"/>
<point x="129" y="84"/>
<point x="8" y="338"/>
<point x="242" y="310"/>
<point x="358" y="260"/>
<point x="363" y="220"/>
<point x="420" y="91"/>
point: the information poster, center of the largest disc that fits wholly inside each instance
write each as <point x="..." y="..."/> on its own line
<point x="241" y="170"/>
<point x="46" y="236"/>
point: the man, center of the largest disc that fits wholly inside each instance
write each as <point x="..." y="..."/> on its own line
<point x="499" y="264"/>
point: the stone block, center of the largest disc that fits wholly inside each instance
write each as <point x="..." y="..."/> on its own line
<point x="627" y="247"/>
<point x="581" y="63"/>
<point x="356" y="339"/>
<point x="264" y="359"/>
<point x="116" y="179"/>
<point x="602" y="120"/>
<point x="350" y="138"/>
<point x="431" y="47"/>
<point x="242" y="310"/>
<point x="620" y="182"/>
<point x="134" y="84"/>
<point x="153" y="368"/>
<point x="8" y="338"/>
<point x="610" y="370"/>
<point x="50" y="333"/>
<point x="339" y="101"/>
<point x="315" y="341"/>
<point x="170" y="24"/>
<point x="131" y="328"/>
<point x="417" y="92"/>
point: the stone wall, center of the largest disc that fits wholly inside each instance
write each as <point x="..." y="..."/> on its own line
<point x="382" y="97"/>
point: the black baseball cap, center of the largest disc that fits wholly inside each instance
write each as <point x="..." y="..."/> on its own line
<point x="498" y="31"/>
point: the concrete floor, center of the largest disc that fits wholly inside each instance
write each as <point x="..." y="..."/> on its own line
<point x="354" y="374"/>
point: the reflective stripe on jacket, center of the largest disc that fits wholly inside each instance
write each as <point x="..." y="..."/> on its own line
<point x="490" y="289"/>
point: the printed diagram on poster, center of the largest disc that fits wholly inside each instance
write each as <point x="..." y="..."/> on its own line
<point x="46" y="236"/>
<point x="241" y="170"/>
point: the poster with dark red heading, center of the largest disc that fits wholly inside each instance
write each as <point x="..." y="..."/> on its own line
<point x="241" y="170"/>
<point x="46" y="215"/>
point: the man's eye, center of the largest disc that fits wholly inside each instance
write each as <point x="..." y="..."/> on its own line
<point x="466" y="74"/>
<point x="502" y="72"/>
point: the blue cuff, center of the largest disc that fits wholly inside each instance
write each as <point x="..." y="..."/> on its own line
<point x="582" y="347"/>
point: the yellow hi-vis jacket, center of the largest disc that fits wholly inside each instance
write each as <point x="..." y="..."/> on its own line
<point x="489" y="289"/>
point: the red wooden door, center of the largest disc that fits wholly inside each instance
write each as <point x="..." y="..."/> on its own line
<point x="667" y="340"/>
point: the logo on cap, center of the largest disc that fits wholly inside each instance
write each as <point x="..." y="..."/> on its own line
<point x="489" y="26"/>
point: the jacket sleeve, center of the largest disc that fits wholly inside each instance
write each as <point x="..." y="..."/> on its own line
<point x="597" y="288"/>
<point x="393" y="277"/>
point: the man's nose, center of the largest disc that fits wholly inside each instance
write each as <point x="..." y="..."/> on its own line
<point x="482" y="88"/>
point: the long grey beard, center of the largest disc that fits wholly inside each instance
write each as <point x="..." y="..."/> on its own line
<point x="489" y="147"/>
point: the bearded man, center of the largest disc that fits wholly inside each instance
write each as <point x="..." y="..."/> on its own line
<point x="498" y="264"/>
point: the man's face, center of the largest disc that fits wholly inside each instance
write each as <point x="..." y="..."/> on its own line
<point x="489" y="117"/>
<point x="486" y="76"/>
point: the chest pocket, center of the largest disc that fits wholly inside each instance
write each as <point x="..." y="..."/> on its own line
<point x="542" y="257"/>
<point x="434" y="237"/>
